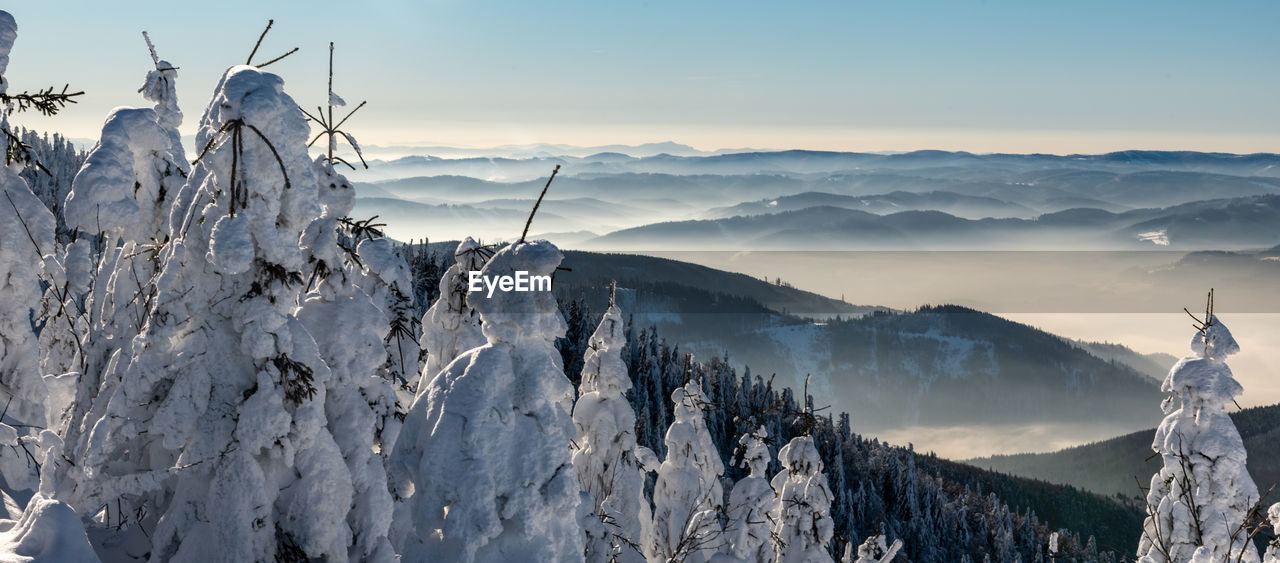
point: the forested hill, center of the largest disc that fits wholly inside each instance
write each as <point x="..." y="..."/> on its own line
<point x="942" y="510"/>
<point x="631" y="270"/>
<point x="1118" y="465"/>
<point x="938" y="365"/>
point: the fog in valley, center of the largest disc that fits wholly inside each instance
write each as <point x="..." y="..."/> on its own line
<point x="1092" y="248"/>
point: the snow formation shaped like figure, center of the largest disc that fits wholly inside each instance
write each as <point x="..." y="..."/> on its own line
<point x="605" y="454"/>
<point x="802" y="515"/>
<point x="126" y="185"/>
<point x="1200" y="497"/>
<point x="687" y="496"/>
<point x="160" y="86"/>
<point x="482" y="464"/>
<point x="750" y="502"/>
<point x="451" y="327"/>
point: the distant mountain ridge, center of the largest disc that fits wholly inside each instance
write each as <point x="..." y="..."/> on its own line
<point x="663" y="157"/>
<point x="1247" y="222"/>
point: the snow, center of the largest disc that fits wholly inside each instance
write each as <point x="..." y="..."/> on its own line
<point x="121" y="189"/>
<point x="875" y="550"/>
<point x="496" y="420"/>
<point x="48" y="532"/>
<point x="231" y="249"/>
<point x="1158" y="238"/>
<point x="359" y="402"/>
<point x="802" y="515"/>
<point x="687" y="496"/>
<point x="750" y="501"/>
<point x="1272" y="554"/>
<point x="1203" y="493"/>
<point x="217" y="427"/>
<point x="8" y="34"/>
<point x="385" y="278"/>
<point x="451" y="327"/>
<point x="604" y="453"/>
<point x="26" y="234"/>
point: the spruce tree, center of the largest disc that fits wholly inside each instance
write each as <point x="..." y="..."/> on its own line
<point x="605" y="453"/>
<point x="482" y="468"/>
<point x="750" y="526"/>
<point x="217" y="428"/>
<point x="688" y="496"/>
<point x="1199" y="500"/>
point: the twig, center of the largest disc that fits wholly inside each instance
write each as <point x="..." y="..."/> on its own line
<point x="264" y="65"/>
<point x="538" y="203"/>
<point x="249" y="61"/>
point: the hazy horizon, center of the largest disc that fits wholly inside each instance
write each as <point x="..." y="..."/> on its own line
<point x="996" y="77"/>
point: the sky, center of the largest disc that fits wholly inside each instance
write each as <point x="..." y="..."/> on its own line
<point x="1060" y="77"/>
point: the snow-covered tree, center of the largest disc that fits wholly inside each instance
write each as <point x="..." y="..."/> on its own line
<point x="357" y="395"/>
<point x="160" y="86"/>
<point x="1272" y="554"/>
<point x="1200" y="498"/>
<point x="750" y="502"/>
<point x="123" y="195"/>
<point x="118" y="206"/>
<point x="802" y="516"/>
<point x="26" y="237"/>
<point x="874" y="550"/>
<point x="386" y="278"/>
<point x="126" y="186"/>
<point x="483" y="465"/>
<point x="605" y="452"/>
<point x="451" y="326"/>
<point x="217" y="427"/>
<point x="688" y="496"/>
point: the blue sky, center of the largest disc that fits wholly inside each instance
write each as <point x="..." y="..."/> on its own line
<point x="982" y="76"/>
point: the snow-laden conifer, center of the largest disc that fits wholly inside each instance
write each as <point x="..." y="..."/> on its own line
<point x="750" y="502"/>
<point x="604" y="453"/>
<point x="451" y="326"/>
<point x="688" y="496"/>
<point x="386" y="278"/>
<point x="119" y="200"/>
<point x="874" y="550"/>
<point x="349" y="329"/>
<point x="1272" y="554"/>
<point x="483" y="465"/>
<point x="217" y="428"/>
<point x="1199" y="500"/>
<point x="802" y="516"/>
<point x="26" y="243"/>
